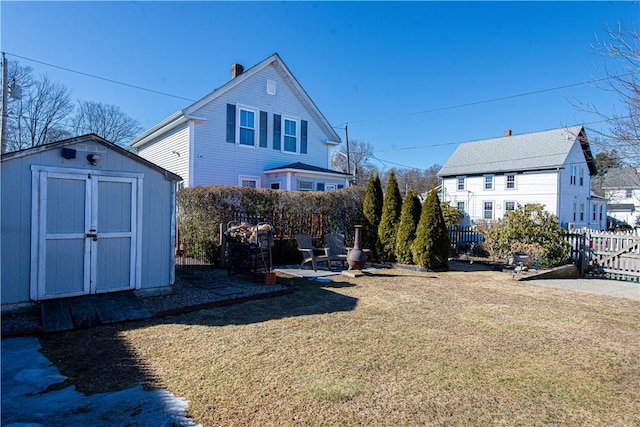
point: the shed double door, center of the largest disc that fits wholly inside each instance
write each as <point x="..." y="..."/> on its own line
<point x="87" y="227"/>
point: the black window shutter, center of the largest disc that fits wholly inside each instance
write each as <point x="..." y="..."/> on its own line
<point x="277" y="126"/>
<point x="231" y="123"/>
<point x="303" y="136"/>
<point x="263" y="129"/>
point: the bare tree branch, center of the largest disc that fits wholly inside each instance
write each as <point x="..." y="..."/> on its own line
<point x="105" y="120"/>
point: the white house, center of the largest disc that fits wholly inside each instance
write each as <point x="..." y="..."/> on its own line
<point x="260" y="130"/>
<point x="488" y="178"/>
<point x="621" y="188"/>
<point x="84" y="216"/>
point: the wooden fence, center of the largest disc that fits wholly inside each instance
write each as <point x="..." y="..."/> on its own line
<point x="615" y="253"/>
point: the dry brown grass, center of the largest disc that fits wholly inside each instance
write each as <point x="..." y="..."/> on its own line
<point x="397" y="348"/>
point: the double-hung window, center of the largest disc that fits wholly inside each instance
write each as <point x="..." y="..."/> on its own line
<point x="247" y="126"/>
<point x="573" y="174"/>
<point x="461" y="206"/>
<point x="510" y="182"/>
<point x="488" y="182"/>
<point x="509" y="207"/>
<point x="487" y="210"/>
<point x="460" y="182"/>
<point x="290" y="135"/>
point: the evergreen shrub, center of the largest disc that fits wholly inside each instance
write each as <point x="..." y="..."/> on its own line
<point x="390" y="219"/>
<point x="409" y="219"/>
<point x="431" y="248"/>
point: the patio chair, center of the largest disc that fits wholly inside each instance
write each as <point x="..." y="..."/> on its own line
<point x="337" y="250"/>
<point x="311" y="253"/>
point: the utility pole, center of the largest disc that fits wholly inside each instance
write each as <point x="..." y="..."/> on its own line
<point x="346" y="137"/>
<point x="5" y="86"/>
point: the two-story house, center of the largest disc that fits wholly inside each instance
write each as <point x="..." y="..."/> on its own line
<point x="486" y="179"/>
<point x="621" y="187"/>
<point x="260" y="129"/>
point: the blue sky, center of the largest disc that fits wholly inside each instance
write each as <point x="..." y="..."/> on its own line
<point x="391" y="70"/>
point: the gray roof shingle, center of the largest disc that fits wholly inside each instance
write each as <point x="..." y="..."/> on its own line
<point x="531" y="151"/>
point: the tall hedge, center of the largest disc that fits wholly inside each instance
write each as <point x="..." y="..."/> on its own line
<point x="390" y="219"/>
<point x="371" y="213"/>
<point x="431" y="247"/>
<point x="409" y="219"/>
<point x="201" y="210"/>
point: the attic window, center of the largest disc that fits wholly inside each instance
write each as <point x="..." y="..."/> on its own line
<point x="271" y="87"/>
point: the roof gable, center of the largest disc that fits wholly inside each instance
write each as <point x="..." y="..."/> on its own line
<point x="274" y="60"/>
<point x="93" y="138"/>
<point x="525" y="152"/>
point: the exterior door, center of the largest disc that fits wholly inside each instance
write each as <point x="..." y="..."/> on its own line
<point x="86" y="234"/>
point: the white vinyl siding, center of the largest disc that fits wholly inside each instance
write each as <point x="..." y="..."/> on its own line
<point x="172" y="152"/>
<point x="219" y="163"/>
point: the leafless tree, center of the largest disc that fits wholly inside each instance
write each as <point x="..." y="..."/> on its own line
<point x="37" y="117"/>
<point x="105" y="120"/>
<point x="418" y="180"/>
<point x="360" y="152"/>
<point x="623" y="46"/>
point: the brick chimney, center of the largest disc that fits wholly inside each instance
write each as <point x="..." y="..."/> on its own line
<point x="507" y="132"/>
<point x="236" y="70"/>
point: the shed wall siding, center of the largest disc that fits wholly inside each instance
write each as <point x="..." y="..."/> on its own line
<point x="157" y="247"/>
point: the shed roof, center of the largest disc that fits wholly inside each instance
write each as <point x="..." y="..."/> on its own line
<point x="85" y="139"/>
<point x="525" y="152"/>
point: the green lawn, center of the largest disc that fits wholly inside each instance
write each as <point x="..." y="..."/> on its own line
<point x="397" y="348"/>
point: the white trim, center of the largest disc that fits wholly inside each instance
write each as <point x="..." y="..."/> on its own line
<point x="256" y="179"/>
<point x="256" y="125"/>
<point x="506" y="181"/>
<point x="192" y="155"/>
<point x="298" y="134"/>
<point x="73" y="171"/>
<point x="484" y="182"/>
<point x="39" y="235"/>
<point x="493" y="209"/>
<point x="172" y="246"/>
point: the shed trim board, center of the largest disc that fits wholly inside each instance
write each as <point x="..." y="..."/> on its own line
<point x="107" y="238"/>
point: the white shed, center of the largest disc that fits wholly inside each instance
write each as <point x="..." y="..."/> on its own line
<point x="84" y="216"/>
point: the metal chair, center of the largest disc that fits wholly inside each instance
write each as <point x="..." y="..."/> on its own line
<point x="309" y="252"/>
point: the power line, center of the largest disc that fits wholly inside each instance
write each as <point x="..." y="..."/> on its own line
<point x="502" y="98"/>
<point x="441" y="144"/>
<point x="101" y="78"/>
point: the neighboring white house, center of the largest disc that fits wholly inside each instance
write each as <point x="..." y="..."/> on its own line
<point x="260" y="130"/>
<point x="621" y="188"/>
<point x="488" y="178"/>
<point x="84" y="216"/>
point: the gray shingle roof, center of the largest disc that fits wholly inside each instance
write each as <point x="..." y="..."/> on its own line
<point x="621" y="178"/>
<point x="531" y="151"/>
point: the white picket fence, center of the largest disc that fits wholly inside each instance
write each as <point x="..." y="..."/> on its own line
<point x="615" y="253"/>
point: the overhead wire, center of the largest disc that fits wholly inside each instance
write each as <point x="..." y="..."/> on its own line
<point x="101" y="78"/>
<point x="341" y="126"/>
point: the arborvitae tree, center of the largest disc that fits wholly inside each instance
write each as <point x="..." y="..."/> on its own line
<point x="431" y="247"/>
<point x="371" y="213"/>
<point x="388" y="227"/>
<point x="409" y="218"/>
